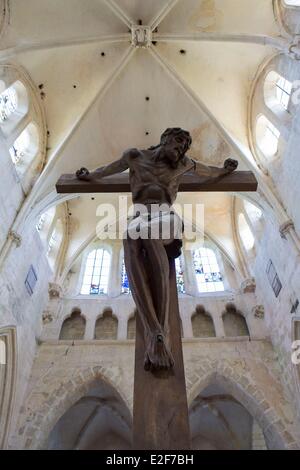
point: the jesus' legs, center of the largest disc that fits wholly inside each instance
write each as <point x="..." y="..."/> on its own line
<point x="158" y="355"/>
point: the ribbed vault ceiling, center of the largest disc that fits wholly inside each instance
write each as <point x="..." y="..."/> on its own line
<point x="95" y="83"/>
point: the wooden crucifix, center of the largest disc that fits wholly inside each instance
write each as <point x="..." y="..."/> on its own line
<point x="160" y="414"/>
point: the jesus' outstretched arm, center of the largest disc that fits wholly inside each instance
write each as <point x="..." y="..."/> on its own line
<point x="209" y="172"/>
<point x="111" y="169"/>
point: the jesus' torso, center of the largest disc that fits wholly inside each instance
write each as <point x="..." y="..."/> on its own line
<point x="153" y="180"/>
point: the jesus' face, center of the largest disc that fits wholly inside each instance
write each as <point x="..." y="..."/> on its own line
<point x="174" y="147"/>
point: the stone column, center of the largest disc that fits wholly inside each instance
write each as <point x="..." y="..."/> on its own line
<point x="187" y="327"/>
<point x="90" y="328"/>
<point x="219" y="325"/>
<point x="189" y="274"/>
<point x="114" y="285"/>
<point x="122" y="327"/>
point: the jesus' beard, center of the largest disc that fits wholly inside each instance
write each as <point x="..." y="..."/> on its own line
<point x="161" y="154"/>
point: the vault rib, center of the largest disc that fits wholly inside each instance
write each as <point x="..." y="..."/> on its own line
<point x="245" y="156"/>
<point x="162" y="14"/>
<point x="277" y="42"/>
<point x="76" y="41"/>
<point x="123" y="17"/>
<point x="30" y="201"/>
<point x="200" y="104"/>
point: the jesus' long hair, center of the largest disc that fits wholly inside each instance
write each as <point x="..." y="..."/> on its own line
<point x="173" y="131"/>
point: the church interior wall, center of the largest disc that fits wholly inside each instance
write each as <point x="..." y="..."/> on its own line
<point x="248" y="370"/>
<point x="73" y="350"/>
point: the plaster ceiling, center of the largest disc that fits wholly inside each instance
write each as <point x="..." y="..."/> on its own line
<point x="95" y="103"/>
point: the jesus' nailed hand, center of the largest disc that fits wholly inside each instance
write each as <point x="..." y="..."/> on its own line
<point x="154" y="176"/>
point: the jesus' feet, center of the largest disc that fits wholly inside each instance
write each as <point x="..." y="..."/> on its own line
<point x="158" y="355"/>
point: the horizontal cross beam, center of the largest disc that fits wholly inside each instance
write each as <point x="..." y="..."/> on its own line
<point x="238" y="181"/>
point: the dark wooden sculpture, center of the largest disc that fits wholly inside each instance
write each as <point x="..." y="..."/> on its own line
<point x="155" y="176"/>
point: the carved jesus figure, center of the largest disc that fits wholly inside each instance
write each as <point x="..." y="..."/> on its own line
<point x="154" y="175"/>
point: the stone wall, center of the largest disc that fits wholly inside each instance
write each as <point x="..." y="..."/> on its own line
<point x="278" y="316"/>
<point x="21" y="310"/>
<point x="123" y="308"/>
<point x="18" y="251"/>
<point x="247" y="370"/>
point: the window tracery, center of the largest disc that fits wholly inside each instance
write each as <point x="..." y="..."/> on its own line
<point x="208" y="275"/>
<point x="96" y="275"/>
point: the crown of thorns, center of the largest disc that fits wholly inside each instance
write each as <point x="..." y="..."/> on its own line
<point x="175" y="131"/>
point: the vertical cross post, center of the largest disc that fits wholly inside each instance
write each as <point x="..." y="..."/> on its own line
<point x="160" y="410"/>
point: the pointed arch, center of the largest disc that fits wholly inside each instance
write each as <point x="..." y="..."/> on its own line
<point x="66" y="394"/>
<point x="245" y="390"/>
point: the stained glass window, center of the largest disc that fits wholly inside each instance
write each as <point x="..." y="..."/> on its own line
<point x="95" y="280"/>
<point x="208" y="275"/>
<point x="8" y="104"/>
<point x="125" y="282"/>
<point x="179" y="276"/>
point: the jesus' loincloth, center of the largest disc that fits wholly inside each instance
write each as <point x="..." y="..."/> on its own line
<point x="157" y="222"/>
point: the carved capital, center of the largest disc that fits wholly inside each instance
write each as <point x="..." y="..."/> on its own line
<point x="141" y="36"/>
<point x="285" y="228"/>
<point x="248" y="286"/>
<point x="47" y="318"/>
<point x="15" y="238"/>
<point x="54" y="291"/>
<point x="258" y="311"/>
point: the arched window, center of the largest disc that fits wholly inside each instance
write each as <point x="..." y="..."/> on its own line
<point x="106" y="326"/>
<point x="283" y="91"/>
<point x="44" y="223"/>
<point x="292" y="3"/>
<point x="25" y="147"/>
<point x="125" y="289"/>
<point x="22" y="124"/>
<point x="208" y="275"/>
<point x="55" y="239"/>
<point x="202" y="323"/>
<point x="95" y="280"/>
<point x="179" y="276"/>
<point x="267" y="136"/>
<point x="8" y="104"/>
<point x="73" y="327"/>
<point x="13" y="105"/>
<point x="253" y="212"/>
<point x="277" y="90"/>
<point x="234" y="322"/>
<point x="245" y="233"/>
